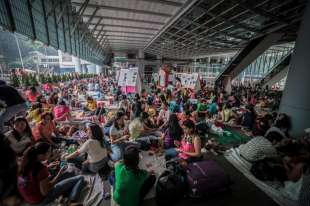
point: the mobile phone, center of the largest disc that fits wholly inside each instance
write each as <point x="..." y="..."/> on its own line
<point x="63" y="164"/>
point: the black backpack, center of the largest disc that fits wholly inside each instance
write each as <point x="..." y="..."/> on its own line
<point x="171" y="185"/>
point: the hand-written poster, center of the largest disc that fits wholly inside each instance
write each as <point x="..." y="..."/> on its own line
<point x="189" y="80"/>
<point x="128" y="77"/>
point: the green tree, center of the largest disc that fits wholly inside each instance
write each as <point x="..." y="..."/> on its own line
<point x="33" y="80"/>
<point x="42" y="79"/>
<point x="49" y="79"/>
<point x="15" y="80"/>
<point x="26" y="80"/>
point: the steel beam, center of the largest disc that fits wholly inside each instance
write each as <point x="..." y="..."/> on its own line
<point x="29" y="6"/>
<point x="184" y="9"/>
<point x="101" y="37"/>
<point x="56" y="25"/>
<point x="137" y="11"/>
<point x="92" y="16"/>
<point x="69" y="15"/>
<point x="10" y="15"/>
<point x="51" y="11"/>
<point x="165" y="3"/>
<point x="97" y="24"/>
<point x="126" y="36"/>
<point x="63" y="9"/>
<point x="210" y="20"/>
<point x="248" y="5"/>
<point x="63" y="25"/>
<point x="127" y="32"/>
<point x="89" y="20"/>
<point x="128" y="27"/>
<point x="100" y="31"/>
<point x="128" y="40"/>
<point x="80" y="13"/>
<point x="127" y="19"/>
<point x="45" y="22"/>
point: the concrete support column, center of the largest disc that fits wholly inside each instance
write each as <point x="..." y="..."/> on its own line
<point x="296" y="96"/>
<point x="159" y="62"/>
<point x="99" y="69"/>
<point x="91" y="69"/>
<point x="77" y="64"/>
<point x="84" y="69"/>
<point x="227" y="84"/>
<point x="141" y="61"/>
<point x="141" y="65"/>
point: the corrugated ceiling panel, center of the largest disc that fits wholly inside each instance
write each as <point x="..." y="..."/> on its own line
<point x="67" y="25"/>
<point x="60" y="31"/>
<point x="51" y="26"/>
<point x="4" y="20"/>
<point x="39" y="22"/>
<point x="22" y="17"/>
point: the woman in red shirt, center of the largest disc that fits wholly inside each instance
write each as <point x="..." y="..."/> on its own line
<point x="32" y="94"/>
<point x="34" y="183"/>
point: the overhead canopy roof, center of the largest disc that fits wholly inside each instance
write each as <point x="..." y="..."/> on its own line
<point x="225" y="25"/>
<point x="127" y="24"/>
<point x="187" y="28"/>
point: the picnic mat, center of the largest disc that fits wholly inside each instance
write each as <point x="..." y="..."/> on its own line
<point x="91" y="195"/>
<point x="231" y="137"/>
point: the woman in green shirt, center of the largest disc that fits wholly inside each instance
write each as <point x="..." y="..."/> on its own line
<point x="131" y="183"/>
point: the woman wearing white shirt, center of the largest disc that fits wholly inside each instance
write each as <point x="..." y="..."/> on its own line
<point x="163" y="115"/>
<point x="118" y="136"/>
<point x="95" y="150"/>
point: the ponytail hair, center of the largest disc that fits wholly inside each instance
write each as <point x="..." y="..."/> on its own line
<point x="29" y="162"/>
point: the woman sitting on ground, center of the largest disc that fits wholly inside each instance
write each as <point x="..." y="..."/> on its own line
<point x="46" y="129"/>
<point x="94" y="148"/>
<point x="189" y="148"/>
<point x="131" y="183"/>
<point x="61" y="111"/>
<point x="32" y="94"/>
<point x="91" y="104"/>
<point x="34" y="183"/>
<point x="118" y="135"/>
<point x="41" y="99"/>
<point x="172" y="133"/>
<point x="53" y="99"/>
<point x="20" y="137"/>
<point x="34" y="115"/>
<point x="163" y="116"/>
<point x="227" y="114"/>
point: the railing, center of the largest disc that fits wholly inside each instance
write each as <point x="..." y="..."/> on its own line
<point x="265" y="63"/>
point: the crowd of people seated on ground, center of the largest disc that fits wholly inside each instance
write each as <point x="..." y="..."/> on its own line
<point x="175" y="123"/>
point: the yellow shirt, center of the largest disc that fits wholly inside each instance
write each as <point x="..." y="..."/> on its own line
<point x="34" y="116"/>
<point x="92" y="105"/>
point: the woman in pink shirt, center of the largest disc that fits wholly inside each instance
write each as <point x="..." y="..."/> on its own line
<point x="189" y="149"/>
<point x="61" y="111"/>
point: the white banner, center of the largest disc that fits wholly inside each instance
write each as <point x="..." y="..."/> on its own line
<point x="189" y="80"/>
<point x="132" y="77"/>
<point x="128" y="77"/>
<point x="123" y="76"/>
